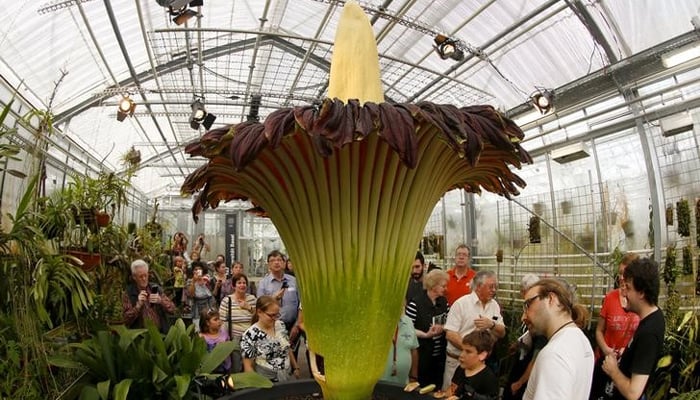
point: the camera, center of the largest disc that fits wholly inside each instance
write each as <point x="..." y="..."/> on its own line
<point x="285" y="285"/>
<point x="154" y="289"/>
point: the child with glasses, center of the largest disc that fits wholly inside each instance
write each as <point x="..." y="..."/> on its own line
<point x="265" y="345"/>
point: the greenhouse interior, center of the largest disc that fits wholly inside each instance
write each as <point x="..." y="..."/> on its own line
<point x="154" y="114"/>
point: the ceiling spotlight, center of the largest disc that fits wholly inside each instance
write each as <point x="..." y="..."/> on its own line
<point x="183" y="15"/>
<point x="200" y="116"/>
<point x="254" y="113"/>
<point x="179" y="10"/>
<point x="543" y="100"/>
<point x="448" y="48"/>
<point x="126" y="107"/>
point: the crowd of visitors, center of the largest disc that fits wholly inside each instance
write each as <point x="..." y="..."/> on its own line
<point x="445" y="336"/>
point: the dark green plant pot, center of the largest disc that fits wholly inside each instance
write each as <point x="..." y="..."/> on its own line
<point x="308" y="389"/>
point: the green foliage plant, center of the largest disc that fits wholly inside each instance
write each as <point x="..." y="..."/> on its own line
<point x="683" y="211"/>
<point x="144" y="364"/>
<point x="670" y="272"/>
<point x="687" y="260"/>
<point x="678" y="373"/>
<point x="697" y="222"/>
<point x="8" y="150"/>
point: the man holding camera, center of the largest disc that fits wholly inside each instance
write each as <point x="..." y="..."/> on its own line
<point x="143" y="301"/>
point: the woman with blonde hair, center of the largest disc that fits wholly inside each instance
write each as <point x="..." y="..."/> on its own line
<point x="428" y="311"/>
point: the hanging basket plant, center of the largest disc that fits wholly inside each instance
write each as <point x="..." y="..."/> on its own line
<point x="687" y="261"/>
<point x="669" y="215"/>
<point x="628" y="228"/>
<point x="683" y="210"/>
<point x="670" y="269"/>
<point x="697" y="283"/>
<point x="538" y="208"/>
<point x="697" y="222"/>
<point x="566" y="206"/>
<point x="534" y="230"/>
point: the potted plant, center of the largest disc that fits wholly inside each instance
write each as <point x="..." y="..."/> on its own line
<point x="359" y="178"/>
<point x="147" y="364"/>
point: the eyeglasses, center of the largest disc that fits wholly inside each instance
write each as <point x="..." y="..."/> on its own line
<point x="528" y="302"/>
<point x="273" y="316"/>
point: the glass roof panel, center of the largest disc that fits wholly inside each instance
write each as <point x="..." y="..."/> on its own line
<point x="526" y="45"/>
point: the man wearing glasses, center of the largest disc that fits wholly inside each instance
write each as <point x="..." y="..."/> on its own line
<point x="477" y="310"/>
<point x="282" y="287"/>
<point x="564" y="367"/>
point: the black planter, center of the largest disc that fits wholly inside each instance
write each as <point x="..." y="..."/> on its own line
<point x="307" y="389"/>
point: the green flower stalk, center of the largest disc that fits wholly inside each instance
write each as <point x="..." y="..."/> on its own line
<point x="349" y="187"/>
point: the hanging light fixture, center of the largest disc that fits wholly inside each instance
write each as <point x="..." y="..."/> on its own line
<point x="200" y="116"/>
<point x="126" y="107"/>
<point x="448" y="48"/>
<point x="179" y="9"/>
<point x="543" y="100"/>
<point x="254" y="112"/>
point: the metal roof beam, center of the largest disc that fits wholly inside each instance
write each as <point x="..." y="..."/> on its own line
<point x="611" y="79"/>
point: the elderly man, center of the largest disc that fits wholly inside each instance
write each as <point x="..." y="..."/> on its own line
<point x="143" y="301"/>
<point x="564" y="367"/>
<point x="477" y="310"/>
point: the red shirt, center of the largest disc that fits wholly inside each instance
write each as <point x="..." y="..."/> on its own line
<point x="619" y="324"/>
<point x="458" y="287"/>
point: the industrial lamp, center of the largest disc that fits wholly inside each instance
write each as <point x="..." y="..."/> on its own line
<point x="543" y="100"/>
<point x="448" y="48"/>
<point x="179" y="10"/>
<point x="200" y="116"/>
<point x="254" y="112"/>
<point x="126" y="107"/>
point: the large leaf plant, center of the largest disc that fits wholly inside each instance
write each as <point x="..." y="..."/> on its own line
<point x="350" y="185"/>
<point x="127" y="363"/>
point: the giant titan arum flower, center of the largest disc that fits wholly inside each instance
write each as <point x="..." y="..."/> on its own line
<point x="349" y="185"/>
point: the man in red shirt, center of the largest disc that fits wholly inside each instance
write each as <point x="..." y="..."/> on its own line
<point x="460" y="276"/>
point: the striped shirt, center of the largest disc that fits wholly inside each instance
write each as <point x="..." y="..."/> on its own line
<point x="239" y="319"/>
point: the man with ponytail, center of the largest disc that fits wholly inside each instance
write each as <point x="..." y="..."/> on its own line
<point x="564" y="367"/>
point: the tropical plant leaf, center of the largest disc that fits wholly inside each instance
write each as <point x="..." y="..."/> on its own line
<point x="158" y="375"/>
<point x="64" y="361"/>
<point x="664" y="361"/>
<point x="89" y="393"/>
<point x="182" y="382"/>
<point x="103" y="389"/>
<point x="121" y="389"/>
<point x="244" y="380"/>
<point x="216" y="357"/>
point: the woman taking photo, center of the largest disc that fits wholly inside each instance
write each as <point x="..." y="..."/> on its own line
<point x="237" y="311"/>
<point x="265" y="347"/>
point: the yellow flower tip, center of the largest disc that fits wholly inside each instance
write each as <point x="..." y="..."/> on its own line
<point x="355" y="72"/>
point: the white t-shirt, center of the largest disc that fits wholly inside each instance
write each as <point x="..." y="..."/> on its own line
<point x="462" y="313"/>
<point x="563" y="369"/>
